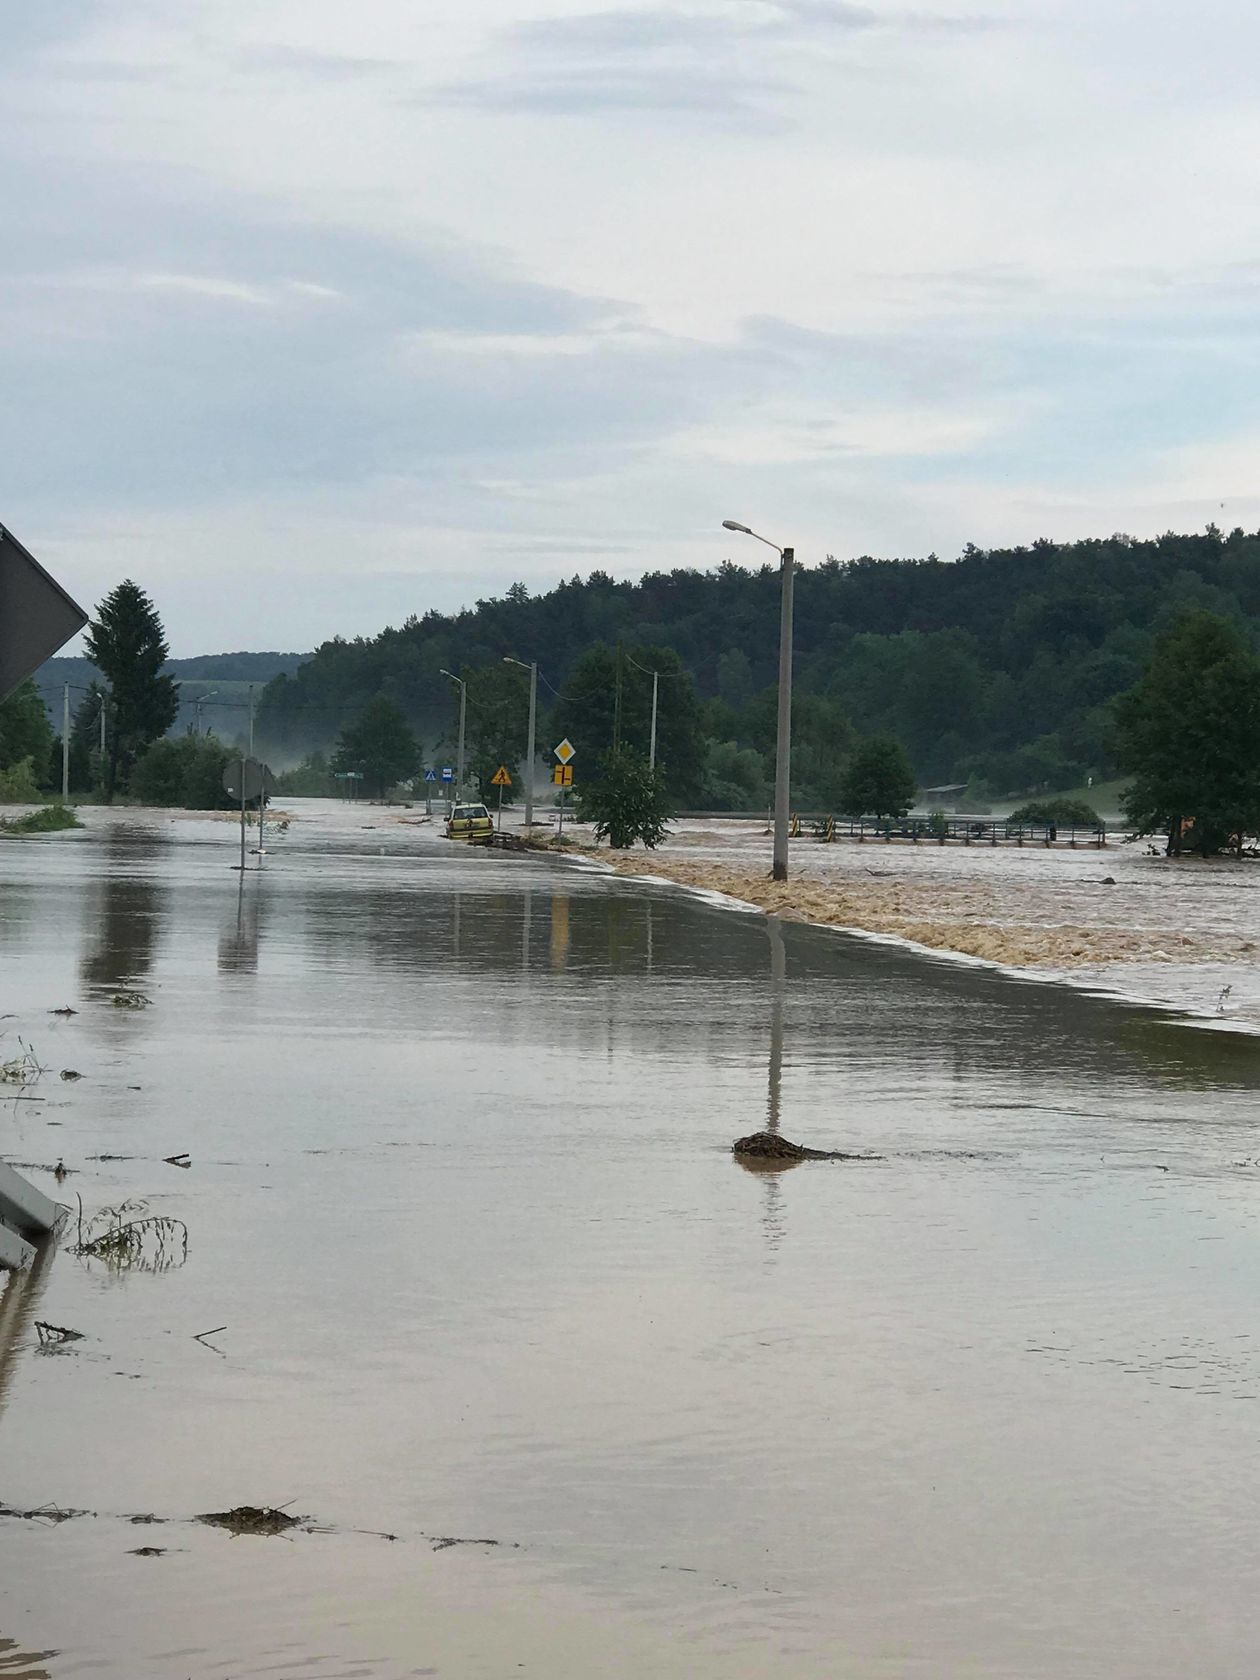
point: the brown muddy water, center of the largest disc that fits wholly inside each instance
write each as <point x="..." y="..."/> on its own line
<point x="461" y="1195"/>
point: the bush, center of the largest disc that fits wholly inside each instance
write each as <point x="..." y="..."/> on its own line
<point x="627" y="802"/>
<point x="49" y="819"/>
<point x="184" y="771"/>
<point x="1072" y="813"/>
<point x="18" y="785"/>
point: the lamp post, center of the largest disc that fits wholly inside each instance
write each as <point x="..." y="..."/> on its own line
<point x="532" y="668"/>
<point x="463" y="709"/>
<point x="200" y="701"/>
<point x="656" y="678"/>
<point x="783" y="744"/>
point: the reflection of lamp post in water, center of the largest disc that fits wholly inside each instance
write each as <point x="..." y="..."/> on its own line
<point x="778" y="977"/>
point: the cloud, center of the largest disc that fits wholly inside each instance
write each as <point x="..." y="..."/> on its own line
<point x="279" y="57"/>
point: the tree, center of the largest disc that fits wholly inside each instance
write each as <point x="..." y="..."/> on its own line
<point x="25" y="731"/>
<point x="879" y="781"/>
<point x="1189" y="731"/>
<point x="626" y="801"/>
<point x="607" y="704"/>
<point x="380" y="743"/>
<point x="497" y="714"/>
<point x="127" y="645"/>
<point x="186" y="772"/>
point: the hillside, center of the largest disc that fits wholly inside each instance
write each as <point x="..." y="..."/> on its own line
<point x="225" y="676"/>
<point x="995" y="669"/>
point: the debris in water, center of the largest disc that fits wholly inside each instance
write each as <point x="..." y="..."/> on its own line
<point x="42" y="1513"/>
<point x="71" y="1073"/>
<point x="66" y="1011"/>
<point x="130" y="1000"/>
<point x="182" y="1160"/>
<point x="148" y="1551"/>
<point x="60" y="1171"/>
<point x="440" y="1542"/>
<point x="769" y="1146"/>
<point x="251" y="1519"/>
<point x="129" y="1235"/>
<point x="55" y="1335"/>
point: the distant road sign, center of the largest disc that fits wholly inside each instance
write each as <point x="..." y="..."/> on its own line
<point x="36" y="614"/>
<point x="501" y="777"/>
<point x="430" y="775"/>
<point x="565" y="751"/>
<point x="448" y="775"/>
<point x="257" y="777"/>
<point x="562" y="775"/>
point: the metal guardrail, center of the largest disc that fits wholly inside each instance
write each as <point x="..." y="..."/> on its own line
<point x="966" y="831"/>
<point x="26" y="1217"/>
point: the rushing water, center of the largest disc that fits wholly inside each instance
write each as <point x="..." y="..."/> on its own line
<point x="462" y="1196"/>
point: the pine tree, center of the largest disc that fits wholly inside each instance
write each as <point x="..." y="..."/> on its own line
<point x="127" y="645"/>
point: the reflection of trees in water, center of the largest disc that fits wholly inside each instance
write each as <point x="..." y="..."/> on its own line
<point x="126" y="913"/>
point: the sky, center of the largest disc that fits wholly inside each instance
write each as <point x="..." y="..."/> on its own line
<point x="316" y="315"/>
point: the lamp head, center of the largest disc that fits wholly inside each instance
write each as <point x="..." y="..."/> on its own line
<point x="734" y="525"/>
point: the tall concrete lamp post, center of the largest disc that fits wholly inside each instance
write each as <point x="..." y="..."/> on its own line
<point x="530" y="745"/>
<point x="783" y="744"/>
<point x="463" y="709"/>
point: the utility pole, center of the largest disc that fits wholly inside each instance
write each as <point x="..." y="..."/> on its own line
<point x="463" y="712"/>
<point x="65" y="742"/>
<point x="104" y="701"/>
<point x="251" y="720"/>
<point x="656" y="680"/>
<point x="531" y="743"/>
<point x="783" y="741"/>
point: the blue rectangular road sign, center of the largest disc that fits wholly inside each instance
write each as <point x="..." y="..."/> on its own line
<point x="448" y="775"/>
<point x="430" y="775"/>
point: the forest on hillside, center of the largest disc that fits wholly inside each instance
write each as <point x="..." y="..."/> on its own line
<point x="998" y="669"/>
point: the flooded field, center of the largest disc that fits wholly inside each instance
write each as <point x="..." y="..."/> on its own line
<point x="557" y="1386"/>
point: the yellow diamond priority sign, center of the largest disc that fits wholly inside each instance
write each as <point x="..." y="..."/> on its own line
<point x="565" y="751"/>
<point x="501" y="777"/>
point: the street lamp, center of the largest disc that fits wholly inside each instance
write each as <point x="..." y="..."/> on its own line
<point x="200" y="702"/>
<point x="656" y="677"/>
<point x="463" y="707"/>
<point x="529" y="750"/>
<point x="783" y="743"/>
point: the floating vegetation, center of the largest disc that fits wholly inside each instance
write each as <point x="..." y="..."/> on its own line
<point x="47" y="820"/>
<point x="251" y="1519"/>
<point x="130" y="1238"/>
<point x="130" y="1000"/>
<point x="70" y="1074"/>
<point x="42" y="1513"/>
<point x="22" y="1069"/>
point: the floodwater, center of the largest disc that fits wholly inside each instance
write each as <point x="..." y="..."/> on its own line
<point x="461" y="1196"/>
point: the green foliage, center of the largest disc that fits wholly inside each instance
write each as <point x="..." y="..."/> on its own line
<point x="184" y="771"/>
<point x="607" y="704"/>
<point x="25" y="732"/>
<point x="496" y="726"/>
<point x="626" y="801"/>
<point x="1189" y="731"/>
<point x="937" y="823"/>
<point x="48" y="819"/>
<point x="312" y="779"/>
<point x="735" y="778"/>
<point x="1072" y="813"/>
<point x="381" y="744"/>
<point x="878" y="781"/>
<point x="18" y="785"/>
<point x="127" y="645"/>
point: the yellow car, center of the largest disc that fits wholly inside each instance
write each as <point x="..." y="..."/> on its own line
<point x="471" y="823"/>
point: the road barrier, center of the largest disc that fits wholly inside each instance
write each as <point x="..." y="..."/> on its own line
<point x="26" y="1217"/>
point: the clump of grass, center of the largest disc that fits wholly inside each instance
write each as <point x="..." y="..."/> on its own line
<point x="23" y="1069"/>
<point x="251" y="1519"/>
<point x="129" y="1237"/>
<point x="130" y="1000"/>
<point x="49" y="819"/>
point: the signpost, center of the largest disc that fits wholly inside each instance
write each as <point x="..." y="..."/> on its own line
<point x="430" y="776"/>
<point x="501" y="779"/>
<point x="562" y="776"/>
<point x="246" y="779"/>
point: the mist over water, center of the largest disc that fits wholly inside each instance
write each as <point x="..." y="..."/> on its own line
<point x="462" y="1195"/>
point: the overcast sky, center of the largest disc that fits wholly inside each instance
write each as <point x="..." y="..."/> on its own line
<point x="315" y="314"/>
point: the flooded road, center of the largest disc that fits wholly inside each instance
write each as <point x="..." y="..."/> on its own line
<point x="461" y="1194"/>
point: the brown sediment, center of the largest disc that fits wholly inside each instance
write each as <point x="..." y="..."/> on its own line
<point x="966" y="918"/>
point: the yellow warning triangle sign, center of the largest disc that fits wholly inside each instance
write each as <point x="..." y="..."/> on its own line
<point x="501" y="777"/>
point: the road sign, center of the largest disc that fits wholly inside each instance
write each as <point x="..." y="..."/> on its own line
<point x="562" y="775"/>
<point x="258" y="779"/>
<point x="565" y="751"/>
<point x="448" y="775"/>
<point x="501" y="777"/>
<point x="430" y="775"/>
<point x="36" y="614"/>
